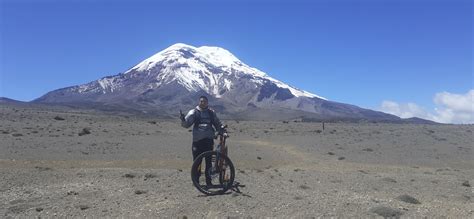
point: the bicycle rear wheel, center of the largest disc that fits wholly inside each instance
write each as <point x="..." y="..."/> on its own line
<point x="216" y="178"/>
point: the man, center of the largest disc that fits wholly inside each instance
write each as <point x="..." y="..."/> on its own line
<point x="203" y="119"/>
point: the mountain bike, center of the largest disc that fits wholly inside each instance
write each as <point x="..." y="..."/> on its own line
<point x="218" y="176"/>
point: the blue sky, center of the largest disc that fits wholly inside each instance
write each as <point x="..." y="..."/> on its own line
<point x="357" y="52"/>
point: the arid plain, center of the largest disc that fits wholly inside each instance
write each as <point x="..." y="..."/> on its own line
<point x="57" y="162"/>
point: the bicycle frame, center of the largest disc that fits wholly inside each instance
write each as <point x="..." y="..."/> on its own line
<point x="221" y="148"/>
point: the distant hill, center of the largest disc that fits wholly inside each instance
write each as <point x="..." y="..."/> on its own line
<point x="10" y="101"/>
<point x="417" y="120"/>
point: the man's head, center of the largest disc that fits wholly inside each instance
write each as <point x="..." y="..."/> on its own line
<point x="203" y="102"/>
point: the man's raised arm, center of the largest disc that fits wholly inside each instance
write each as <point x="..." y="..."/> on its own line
<point x="188" y="120"/>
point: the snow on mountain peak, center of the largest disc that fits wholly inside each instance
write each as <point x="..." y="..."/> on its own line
<point x="219" y="56"/>
<point x="216" y="56"/>
<point x="188" y="65"/>
<point x="180" y="45"/>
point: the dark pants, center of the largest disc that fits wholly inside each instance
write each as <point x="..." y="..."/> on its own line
<point x="200" y="147"/>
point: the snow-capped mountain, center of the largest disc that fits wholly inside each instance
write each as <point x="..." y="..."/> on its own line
<point x="205" y="68"/>
<point x="176" y="76"/>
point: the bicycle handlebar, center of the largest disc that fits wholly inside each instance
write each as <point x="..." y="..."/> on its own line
<point x="222" y="131"/>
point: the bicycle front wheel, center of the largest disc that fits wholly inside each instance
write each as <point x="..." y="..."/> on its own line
<point x="212" y="173"/>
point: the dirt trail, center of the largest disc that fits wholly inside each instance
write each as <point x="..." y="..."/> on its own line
<point x="307" y="161"/>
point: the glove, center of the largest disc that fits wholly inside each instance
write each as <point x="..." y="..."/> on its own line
<point x="181" y="115"/>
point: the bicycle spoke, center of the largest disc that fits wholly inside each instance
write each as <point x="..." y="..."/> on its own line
<point x="215" y="178"/>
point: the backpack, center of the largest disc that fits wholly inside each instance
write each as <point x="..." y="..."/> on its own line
<point x="197" y="117"/>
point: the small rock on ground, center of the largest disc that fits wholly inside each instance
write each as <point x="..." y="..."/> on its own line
<point x="386" y="212"/>
<point x="408" y="199"/>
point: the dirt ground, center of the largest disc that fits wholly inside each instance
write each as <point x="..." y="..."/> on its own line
<point x="76" y="163"/>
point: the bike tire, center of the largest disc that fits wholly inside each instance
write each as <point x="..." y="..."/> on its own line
<point x="217" y="189"/>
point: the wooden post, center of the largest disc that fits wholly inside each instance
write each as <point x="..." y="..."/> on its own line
<point x="323" y="126"/>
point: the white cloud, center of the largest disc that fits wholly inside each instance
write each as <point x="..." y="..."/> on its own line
<point x="450" y="108"/>
<point x="457" y="102"/>
<point x="406" y="110"/>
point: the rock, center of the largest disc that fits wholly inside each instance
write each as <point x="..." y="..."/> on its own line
<point x="330" y="153"/>
<point x="83" y="207"/>
<point x="149" y="176"/>
<point x="85" y="131"/>
<point x="72" y="193"/>
<point x="368" y="149"/>
<point x="42" y="168"/>
<point x="466" y="183"/>
<point x="341" y="158"/>
<point x="129" y="175"/>
<point x="388" y="179"/>
<point x="39" y="209"/>
<point x="408" y="199"/>
<point x="386" y="212"/>
<point x="139" y="192"/>
<point x="303" y="187"/>
<point x="59" y="118"/>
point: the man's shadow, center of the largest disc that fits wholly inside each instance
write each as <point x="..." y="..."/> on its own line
<point x="236" y="188"/>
